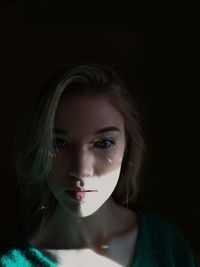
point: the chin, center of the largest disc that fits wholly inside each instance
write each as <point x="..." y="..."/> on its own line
<point x="84" y="209"/>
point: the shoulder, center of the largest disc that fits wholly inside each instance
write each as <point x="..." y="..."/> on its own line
<point x="23" y="254"/>
<point x="164" y="240"/>
<point x="157" y="226"/>
<point x="161" y="229"/>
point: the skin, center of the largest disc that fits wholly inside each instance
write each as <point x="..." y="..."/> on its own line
<point x="80" y="160"/>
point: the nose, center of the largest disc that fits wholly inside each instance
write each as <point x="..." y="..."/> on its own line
<point x="81" y="165"/>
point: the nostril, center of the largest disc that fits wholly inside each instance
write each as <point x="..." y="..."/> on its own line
<point x="80" y="183"/>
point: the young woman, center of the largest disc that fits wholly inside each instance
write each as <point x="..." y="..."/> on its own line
<point x="78" y="160"/>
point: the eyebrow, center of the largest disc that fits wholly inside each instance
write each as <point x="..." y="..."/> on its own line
<point x="103" y="130"/>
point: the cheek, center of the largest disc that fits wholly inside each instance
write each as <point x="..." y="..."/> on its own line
<point x="115" y="162"/>
<point x="114" y="158"/>
<point x="106" y="183"/>
<point x="60" y="167"/>
<point x="53" y="185"/>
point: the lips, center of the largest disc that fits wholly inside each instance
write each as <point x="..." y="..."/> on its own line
<point x="78" y="189"/>
<point x="79" y="194"/>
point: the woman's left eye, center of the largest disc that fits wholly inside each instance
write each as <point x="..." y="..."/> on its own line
<point x="105" y="143"/>
<point x="58" y="143"/>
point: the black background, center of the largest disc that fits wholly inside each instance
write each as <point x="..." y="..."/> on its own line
<point x="155" y="48"/>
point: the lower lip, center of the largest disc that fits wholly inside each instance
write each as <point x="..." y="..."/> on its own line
<point x="78" y="195"/>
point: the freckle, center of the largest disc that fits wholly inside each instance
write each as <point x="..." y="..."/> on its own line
<point x="109" y="160"/>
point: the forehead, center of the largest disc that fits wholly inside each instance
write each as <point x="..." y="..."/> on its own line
<point x="83" y="115"/>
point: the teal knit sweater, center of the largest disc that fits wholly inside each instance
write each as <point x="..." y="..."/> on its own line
<point x="159" y="244"/>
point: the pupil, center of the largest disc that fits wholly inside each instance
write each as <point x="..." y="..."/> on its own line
<point x="105" y="143"/>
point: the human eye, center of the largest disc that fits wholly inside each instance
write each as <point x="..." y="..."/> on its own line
<point x="104" y="143"/>
<point x="59" y="143"/>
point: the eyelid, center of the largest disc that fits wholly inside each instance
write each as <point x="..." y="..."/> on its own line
<point x="57" y="147"/>
<point x="60" y="136"/>
<point x="98" y="139"/>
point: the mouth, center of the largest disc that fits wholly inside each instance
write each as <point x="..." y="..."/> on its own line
<point x="79" y="194"/>
<point x="81" y="190"/>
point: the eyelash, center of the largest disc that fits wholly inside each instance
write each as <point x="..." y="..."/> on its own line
<point x="112" y="143"/>
<point x="57" y="146"/>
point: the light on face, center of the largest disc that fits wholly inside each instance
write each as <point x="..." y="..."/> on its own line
<point x="104" y="186"/>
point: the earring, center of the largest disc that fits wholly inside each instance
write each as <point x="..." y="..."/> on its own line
<point x="43" y="207"/>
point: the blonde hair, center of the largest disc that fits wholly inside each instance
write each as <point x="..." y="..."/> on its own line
<point x="34" y="147"/>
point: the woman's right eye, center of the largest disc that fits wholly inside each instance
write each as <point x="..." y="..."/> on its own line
<point x="58" y="143"/>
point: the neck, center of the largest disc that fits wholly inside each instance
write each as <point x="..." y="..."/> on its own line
<point x="65" y="231"/>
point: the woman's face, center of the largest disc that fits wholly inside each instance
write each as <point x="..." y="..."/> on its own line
<point x="89" y="142"/>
